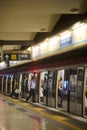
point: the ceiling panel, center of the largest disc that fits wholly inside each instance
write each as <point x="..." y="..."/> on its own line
<point x="28" y="23"/>
<point x="39" y="6"/>
<point x="17" y="36"/>
<point x="23" y="19"/>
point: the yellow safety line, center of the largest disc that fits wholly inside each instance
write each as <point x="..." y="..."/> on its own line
<point x="54" y="117"/>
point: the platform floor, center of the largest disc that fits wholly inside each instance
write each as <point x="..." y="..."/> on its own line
<point x="16" y="114"/>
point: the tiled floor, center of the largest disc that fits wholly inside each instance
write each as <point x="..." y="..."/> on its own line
<point x="18" y="115"/>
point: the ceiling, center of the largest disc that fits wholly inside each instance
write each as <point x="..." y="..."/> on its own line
<point x="22" y="21"/>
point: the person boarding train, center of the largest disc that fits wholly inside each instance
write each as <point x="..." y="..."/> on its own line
<point x="31" y="87"/>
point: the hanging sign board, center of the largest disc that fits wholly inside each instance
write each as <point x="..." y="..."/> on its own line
<point x="17" y="56"/>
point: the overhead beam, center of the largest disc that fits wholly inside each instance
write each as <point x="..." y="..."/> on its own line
<point x="16" y="42"/>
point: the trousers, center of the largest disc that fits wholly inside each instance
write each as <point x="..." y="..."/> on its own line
<point x="31" y="93"/>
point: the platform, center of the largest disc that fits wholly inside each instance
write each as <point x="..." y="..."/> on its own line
<point x="16" y="114"/>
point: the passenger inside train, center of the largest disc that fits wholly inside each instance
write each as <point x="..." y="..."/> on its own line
<point x="60" y="92"/>
<point x="41" y="93"/>
<point x="15" y="89"/>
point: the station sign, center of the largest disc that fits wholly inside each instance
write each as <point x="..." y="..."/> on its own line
<point x="65" y="39"/>
<point x="16" y="56"/>
<point x="65" y="42"/>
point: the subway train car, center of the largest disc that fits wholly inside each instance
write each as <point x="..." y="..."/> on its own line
<point x="61" y="78"/>
<point x="60" y="68"/>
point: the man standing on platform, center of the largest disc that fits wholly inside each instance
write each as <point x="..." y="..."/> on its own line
<point x="32" y="86"/>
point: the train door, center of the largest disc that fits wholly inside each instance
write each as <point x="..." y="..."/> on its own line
<point x="0" y="83"/>
<point x="72" y="90"/>
<point x="20" y="86"/>
<point x="43" y="92"/>
<point x="35" y="98"/>
<point x="13" y="79"/>
<point x="17" y="80"/>
<point x="29" y="79"/>
<point x="8" y="84"/>
<point x="51" y="88"/>
<point x="17" y="77"/>
<point x="65" y="89"/>
<point x="4" y="84"/>
<point x="11" y="84"/>
<point x="76" y="84"/>
<point x="85" y="94"/>
<point x="37" y="75"/>
<point x="79" y="91"/>
<point x="24" y="88"/>
<point x="60" y="89"/>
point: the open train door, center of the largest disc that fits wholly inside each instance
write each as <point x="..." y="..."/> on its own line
<point x="76" y="85"/>
<point x="85" y="95"/>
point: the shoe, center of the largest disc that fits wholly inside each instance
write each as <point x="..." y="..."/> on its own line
<point x="26" y="101"/>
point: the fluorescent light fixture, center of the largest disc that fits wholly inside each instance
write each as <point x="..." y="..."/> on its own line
<point x="43" y="45"/>
<point x="29" y="48"/>
<point x="65" y="35"/>
<point x="54" y="39"/>
<point x="2" y="65"/>
<point x="78" y="24"/>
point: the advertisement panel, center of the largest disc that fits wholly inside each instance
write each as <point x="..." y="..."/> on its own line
<point x="79" y="34"/>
